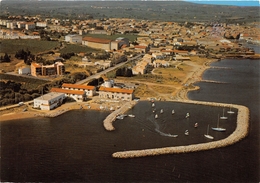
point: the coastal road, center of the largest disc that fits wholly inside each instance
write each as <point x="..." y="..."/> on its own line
<point x="98" y="75"/>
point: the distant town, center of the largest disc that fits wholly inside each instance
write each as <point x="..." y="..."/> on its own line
<point x="110" y="49"/>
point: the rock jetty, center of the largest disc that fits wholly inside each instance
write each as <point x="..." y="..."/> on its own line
<point x="108" y="122"/>
<point x="240" y="132"/>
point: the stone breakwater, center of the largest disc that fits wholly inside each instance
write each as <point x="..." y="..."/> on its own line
<point x="240" y="132"/>
<point x="108" y="122"/>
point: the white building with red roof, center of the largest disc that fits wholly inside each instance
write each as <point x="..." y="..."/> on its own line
<point x="116" y="93"/>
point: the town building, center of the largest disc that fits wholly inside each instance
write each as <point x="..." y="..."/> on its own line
<point x="77" y="95"/>
<point x="49" y="101"/>
<point x="73" y="39"/>
<point x="24" y="70"/>
<point x="57" y="68"/>
<point x="98" y="43"/>
<point x="30" y="25"/>
<point x="116" y="93"/>
<point x="90" y="91"/>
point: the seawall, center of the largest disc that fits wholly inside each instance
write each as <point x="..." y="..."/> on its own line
<point x="108" y="122"/>
<point x="240" y="132"/>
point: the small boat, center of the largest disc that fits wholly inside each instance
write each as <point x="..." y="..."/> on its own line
<point x="230" y="111"/>
<point x="120" y="117"/>
<point x="186" y="132"/>
<point x="207" y="135"/>
<point x="161" y="111"/>
<point x="173" y="111"/>
<point x="156" y="116"/>
<point x="154" y="110"/>
<point x="196" y="125"/>
<point x="218" y="128"/>
<point x="187" y="115"/>
<point x="223" y="117"/>
<point x="153" y="105"/>
<point x="131" y="115"/>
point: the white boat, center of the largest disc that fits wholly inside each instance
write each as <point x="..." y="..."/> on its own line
<point x="156" y="116"/>
<point x="196" y="125"/>
<point x="173" y="111"/>
<point x="120" y="117"/>
<point x="207" y="135"/>
<point x="230" y="111"/>
<point x="218" y="128"/>
<point x="223" y="116"/>
<point x="187" y="115"/>
<point x="161" y="111"/>
<point x="153" y="105"/>
<point x="186" y="132"/>
<point x="131" y="115"/>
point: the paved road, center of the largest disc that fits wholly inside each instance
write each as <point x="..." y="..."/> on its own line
<point x="98" y="75"/>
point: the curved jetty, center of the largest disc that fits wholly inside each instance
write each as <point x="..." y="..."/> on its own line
<point x="108" y="122"/>
<point x="240" y="132"/>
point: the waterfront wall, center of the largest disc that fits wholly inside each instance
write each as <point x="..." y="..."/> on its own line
<point x="240" y="132"/>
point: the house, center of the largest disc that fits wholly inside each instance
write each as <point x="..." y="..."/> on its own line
<point x="77" y="95"/>
<point x="116" y="93"/>
<point x="181" y="58"/>
<point x="45" y="70"/>
<point x="41" y="24"/>
<point x="161" y="63"/>
<point x="158" y="55"/>
<point x="73" y="39"/>
<point x="140" y="49"/>
<point x="89" y="90"/>
<point x="49" y="101"/>
<point x="30" y="25"/>
<point x="24" y="70"/>
<point x="140" y="68"/>
<point x="98" y="43"/>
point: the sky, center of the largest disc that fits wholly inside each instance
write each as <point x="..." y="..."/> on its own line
<point x="226" y="2"/>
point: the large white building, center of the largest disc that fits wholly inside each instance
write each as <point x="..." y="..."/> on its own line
<point x="73" y="39"/>
<point x="49" y="101"/>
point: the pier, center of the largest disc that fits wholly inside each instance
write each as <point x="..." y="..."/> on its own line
<point x="240" y="132"/>
<point x="108" y="122"/>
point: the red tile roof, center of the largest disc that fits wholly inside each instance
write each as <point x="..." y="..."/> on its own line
<point x="86" y="87"/>
<point x="96" y="40"/>
<point x="116" y="90"/>
<point x="59" y="90"/>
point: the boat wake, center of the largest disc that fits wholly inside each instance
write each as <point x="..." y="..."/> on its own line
<point x="157" y="129"/>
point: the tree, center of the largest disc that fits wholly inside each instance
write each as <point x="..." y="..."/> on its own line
<point x="6" y="58"/>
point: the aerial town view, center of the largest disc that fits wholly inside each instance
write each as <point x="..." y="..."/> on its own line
<point x="129" y="91"/>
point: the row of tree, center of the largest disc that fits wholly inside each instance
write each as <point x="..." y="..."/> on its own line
<point x="5" y="58"/>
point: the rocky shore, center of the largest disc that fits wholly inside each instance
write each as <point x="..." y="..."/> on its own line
<point x="240" y="133"/>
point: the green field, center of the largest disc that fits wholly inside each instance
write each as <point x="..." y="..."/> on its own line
<point x="35" y="46"/>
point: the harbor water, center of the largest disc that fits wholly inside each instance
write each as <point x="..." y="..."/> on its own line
<point x="76" y="147"/>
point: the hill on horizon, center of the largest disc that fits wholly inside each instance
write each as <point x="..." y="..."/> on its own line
<point x="175" y="11"/>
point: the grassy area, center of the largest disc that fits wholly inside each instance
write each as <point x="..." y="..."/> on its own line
<point x="77" y="49"/>
<point x="131" y="37"/>
<point x="27" y="83"/>
<point x="143" y="91"/>
<point x="35" y="46"/>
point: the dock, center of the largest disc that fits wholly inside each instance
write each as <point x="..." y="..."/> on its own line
<point x="108" y="122"/>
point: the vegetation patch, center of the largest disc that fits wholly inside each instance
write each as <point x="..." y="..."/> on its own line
<point x="143" y="91"/>
<point x="35" y="46"/>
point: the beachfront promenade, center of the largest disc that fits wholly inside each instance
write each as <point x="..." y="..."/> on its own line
<point x="240" y="132"/>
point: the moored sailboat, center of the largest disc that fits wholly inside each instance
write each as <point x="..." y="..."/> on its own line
<point x="223" y="116"/>
<point x="218" y="128"/>
<point x="230" y="111"/>
<point x="207" y="135"/>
